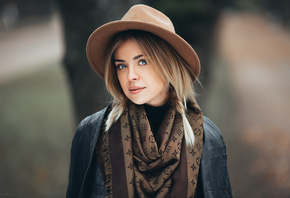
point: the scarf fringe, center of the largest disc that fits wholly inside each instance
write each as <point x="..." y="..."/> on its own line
<point x="106" y="159"/>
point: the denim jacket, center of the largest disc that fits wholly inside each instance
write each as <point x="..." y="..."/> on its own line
<point x="86" y="180"/>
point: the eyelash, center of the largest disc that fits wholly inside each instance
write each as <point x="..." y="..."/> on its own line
<point x="142" y="60"/>
<point x="123" y="66"/>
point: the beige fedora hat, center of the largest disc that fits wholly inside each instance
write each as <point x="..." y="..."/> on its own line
<point x="145" y="18"/>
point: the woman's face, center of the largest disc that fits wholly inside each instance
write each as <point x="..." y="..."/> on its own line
<point x="137" y="79"/>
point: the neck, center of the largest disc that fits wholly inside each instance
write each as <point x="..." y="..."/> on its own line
<point x="155" y="115"/>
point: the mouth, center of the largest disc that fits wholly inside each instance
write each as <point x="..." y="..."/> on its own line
<point x="135" y="90"/>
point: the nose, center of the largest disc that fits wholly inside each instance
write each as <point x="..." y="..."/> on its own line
<point x="133" y="74"/>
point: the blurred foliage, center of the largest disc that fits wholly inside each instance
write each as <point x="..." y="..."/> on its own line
<point x="279" y="9"/>
<point x="36" y="130"/>
<point x="185" y="7"/>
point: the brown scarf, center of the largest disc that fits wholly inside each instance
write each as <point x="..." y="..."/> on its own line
<point x="140" y="165"/>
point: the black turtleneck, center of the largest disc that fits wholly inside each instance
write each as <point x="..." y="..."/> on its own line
<point x="155" y="115"/>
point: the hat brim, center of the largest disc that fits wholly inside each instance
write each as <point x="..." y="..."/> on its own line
<point x="99" y="40"/>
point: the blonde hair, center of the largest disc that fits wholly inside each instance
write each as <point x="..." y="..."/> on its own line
<point x="167" y="64"/>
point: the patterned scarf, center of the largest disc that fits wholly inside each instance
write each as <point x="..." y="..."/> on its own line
<point x="141" y="165"/>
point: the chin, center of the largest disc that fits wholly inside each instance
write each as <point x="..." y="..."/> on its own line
<point x="138" y="102"/>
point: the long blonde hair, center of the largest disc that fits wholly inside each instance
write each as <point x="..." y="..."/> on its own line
<point x="167" y="64"/>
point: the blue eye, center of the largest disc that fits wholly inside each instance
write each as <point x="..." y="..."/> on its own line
<point x="121" y="66"/>
<point x="142" y="62"/>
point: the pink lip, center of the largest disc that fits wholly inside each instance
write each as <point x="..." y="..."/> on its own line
<point x="135" y="89"/>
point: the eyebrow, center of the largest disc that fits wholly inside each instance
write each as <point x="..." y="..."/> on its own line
<point x="135" y="58"/>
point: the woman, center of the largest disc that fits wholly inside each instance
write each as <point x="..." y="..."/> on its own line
<point x="152" y="141"/>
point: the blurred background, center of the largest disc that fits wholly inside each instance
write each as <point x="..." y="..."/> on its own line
<point x="47" y="86"/>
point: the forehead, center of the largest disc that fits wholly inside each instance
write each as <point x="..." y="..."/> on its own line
<point x="128" y="47"/>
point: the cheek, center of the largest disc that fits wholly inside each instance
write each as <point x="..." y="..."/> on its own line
<point x="121" y="79"/>
<point x="149" y="76"/>
<point x="162" y="87"/>
<point x="156" y="81"/>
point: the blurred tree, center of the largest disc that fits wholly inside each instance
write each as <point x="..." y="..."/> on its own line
<point x="80" y="19"/>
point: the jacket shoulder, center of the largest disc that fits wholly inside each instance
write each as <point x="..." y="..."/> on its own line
<point x="213" y="180"/>
<point x="212" y="135"/>
<point x="82" y="148"/>
<point x="89" y="127"/>
<point x="94" y="120"/>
